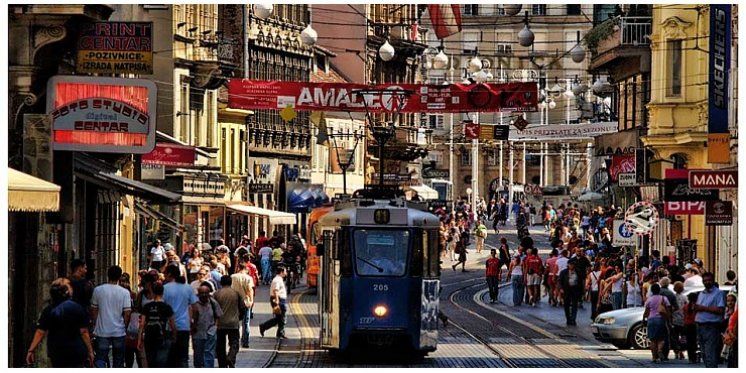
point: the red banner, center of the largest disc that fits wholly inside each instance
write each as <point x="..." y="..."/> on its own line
<point x="621" y="163"/>
<point x="432" y="98"/>
<point x="170" y="155"/>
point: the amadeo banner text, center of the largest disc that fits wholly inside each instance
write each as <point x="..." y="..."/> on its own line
<point x="403" y="98"/>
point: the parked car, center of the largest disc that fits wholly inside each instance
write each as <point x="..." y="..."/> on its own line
<point x="624" y="327"/>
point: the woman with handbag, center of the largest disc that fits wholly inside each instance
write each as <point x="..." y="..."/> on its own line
<point x="657" y="312"/>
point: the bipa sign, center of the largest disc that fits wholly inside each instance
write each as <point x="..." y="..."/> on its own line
<point x="706" y="179"/>
<point x="684" y="208"/>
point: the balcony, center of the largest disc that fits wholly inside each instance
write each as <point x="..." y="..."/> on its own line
<point x="620" y="41"/>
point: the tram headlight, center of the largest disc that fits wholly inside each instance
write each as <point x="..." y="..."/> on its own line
<point x="380" y="311"/>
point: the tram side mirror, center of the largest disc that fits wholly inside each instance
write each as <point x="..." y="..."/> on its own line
<point x="320" y="249"/>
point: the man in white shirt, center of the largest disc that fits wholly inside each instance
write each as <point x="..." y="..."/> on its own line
<point x="111" y="306"/>
<point x="244" y="285"/>
<point x="157" y="256"/>
<point x="278" y="298"/>
<point x="562" y="261"/>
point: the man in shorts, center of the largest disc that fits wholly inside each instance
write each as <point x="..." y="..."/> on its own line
<point x="534" y="268"/>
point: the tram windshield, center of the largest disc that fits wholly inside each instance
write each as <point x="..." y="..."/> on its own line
<point x="381" y="252"/>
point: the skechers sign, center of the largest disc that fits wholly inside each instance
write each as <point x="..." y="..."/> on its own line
<point x="104" y="115"/>
<point x="718" y="140"/>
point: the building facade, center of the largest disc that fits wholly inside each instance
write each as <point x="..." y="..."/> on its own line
<point x="493" y="36"/>
<point x="678" y="122"/>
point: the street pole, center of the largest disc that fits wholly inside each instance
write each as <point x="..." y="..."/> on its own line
<point x="541" y="164"/>
<point x="500" y="181"/>
<point x="589" y="156"/>
<point x="474" y="173"/>
<point x="523" y="164"/>
<point x="451" y="170"/>
<point x="510" y="186"/>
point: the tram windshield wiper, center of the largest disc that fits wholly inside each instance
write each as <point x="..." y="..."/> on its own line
<point x="380" y="270"/>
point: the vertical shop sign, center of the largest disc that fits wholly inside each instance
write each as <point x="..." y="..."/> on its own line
<point x="718" y="138"/>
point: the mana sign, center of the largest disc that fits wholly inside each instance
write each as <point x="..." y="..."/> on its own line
<point x="713" y="179"/>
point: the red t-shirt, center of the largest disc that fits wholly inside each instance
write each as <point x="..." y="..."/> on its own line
<point x="261" y="242"/>
<point x="533" y="263"/>
<point x="493" y="267"/>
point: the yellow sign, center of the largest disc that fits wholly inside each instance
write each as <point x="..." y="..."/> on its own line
<point x="288" y="113"/>
<point x="115" y="48"/>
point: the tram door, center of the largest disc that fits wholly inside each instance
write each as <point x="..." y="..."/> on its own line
<point x="327" y="290"/>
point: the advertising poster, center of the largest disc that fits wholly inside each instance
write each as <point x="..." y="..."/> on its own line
<point x="115" y="48"/>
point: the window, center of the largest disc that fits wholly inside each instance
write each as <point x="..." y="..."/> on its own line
<point x="211" y="118"/>
<point x="436" y="121"/>
<point x="469" y="41"/>
<point x="381" y="252"/>
<point x="471" y="9"/>
<point x="673" y="62"/>
<point x="465" y="157"/>
<point x="573" y="9"/>
<point x="224" y="150"/>
<point x="492" y="157"/>
<point x="539" y="9"/>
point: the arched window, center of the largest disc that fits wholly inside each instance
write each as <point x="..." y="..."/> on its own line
<point x="679" y="161"/>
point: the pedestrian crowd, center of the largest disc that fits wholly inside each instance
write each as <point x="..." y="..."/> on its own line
<point x="685" y="311"/>
<point x="205" y="297"/>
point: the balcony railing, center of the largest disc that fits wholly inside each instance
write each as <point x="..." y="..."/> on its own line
<point x="635" y="30"/>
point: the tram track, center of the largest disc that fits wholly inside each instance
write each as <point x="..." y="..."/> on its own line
<point x="514" y="330"/>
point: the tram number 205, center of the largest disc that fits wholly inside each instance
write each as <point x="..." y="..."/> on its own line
<point x="380" y="287"/>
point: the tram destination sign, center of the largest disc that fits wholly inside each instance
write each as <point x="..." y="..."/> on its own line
<point x="115" y="48"/>
<point x="352" y="97"/>
<point x="713" y="179"/>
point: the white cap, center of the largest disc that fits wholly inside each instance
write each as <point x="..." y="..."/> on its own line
<point x="688" y="266"/>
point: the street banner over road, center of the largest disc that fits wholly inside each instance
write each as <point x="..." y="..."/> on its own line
<point x="551" y="132"/>
<point x="431" y="98"/>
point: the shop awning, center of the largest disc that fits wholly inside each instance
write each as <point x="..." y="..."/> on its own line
<point x="102" y="174"/>
<point x="146" y="210"/>
<point x="275" y="217"/>
<point x="424" y="191"/>
<point x="29" y="193"/>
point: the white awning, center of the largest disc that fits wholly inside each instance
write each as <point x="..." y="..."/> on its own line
<point x="424" y="191"/>
<point x="275" y="217"/>
<point x="29" y="193"/>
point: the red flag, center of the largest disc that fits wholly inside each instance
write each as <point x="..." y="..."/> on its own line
<point x="446" y="19"/>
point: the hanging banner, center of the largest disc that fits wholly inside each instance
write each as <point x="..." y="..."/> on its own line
<point x="718" y="138"/>
<point x="115" y="48"/>
<point x="404" y="98"/>
<point x="563" y="131"/>
<point x="102" y="115"/>
<point x="173" y="155"/>
<point x="621" y="163"/>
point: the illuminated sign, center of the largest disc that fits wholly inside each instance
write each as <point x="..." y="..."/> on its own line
<point x="382" y="216"/>
<point x="115" y="48"/>
<point x="104" y="115"/>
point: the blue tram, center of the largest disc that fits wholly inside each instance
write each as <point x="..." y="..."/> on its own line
<point x="379" y="277"/>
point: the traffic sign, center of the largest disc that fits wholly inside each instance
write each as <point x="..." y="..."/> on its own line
<point x="623" y="236"/>
<point x="641" y="218"/>
<point x="627" y="179"/>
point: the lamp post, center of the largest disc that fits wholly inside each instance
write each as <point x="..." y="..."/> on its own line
<point x="345" y="163"/>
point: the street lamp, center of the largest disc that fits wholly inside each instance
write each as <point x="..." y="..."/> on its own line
<point x="511" y="9"/>
<point x="577" y="53"/>
<point x="525" y="36"/>
<point x="348" y="160"/>
<point x="386" y="52"/>
<point x="309" y="36"/>
<point x="263" y="10"/>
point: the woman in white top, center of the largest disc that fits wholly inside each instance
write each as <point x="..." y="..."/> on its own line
<point x="591" y="285"/>
<point x="617" y="281"/>
<point x="516" y="279"/>
<point x="453" y="239"/>
<point x="634" y="292"/>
